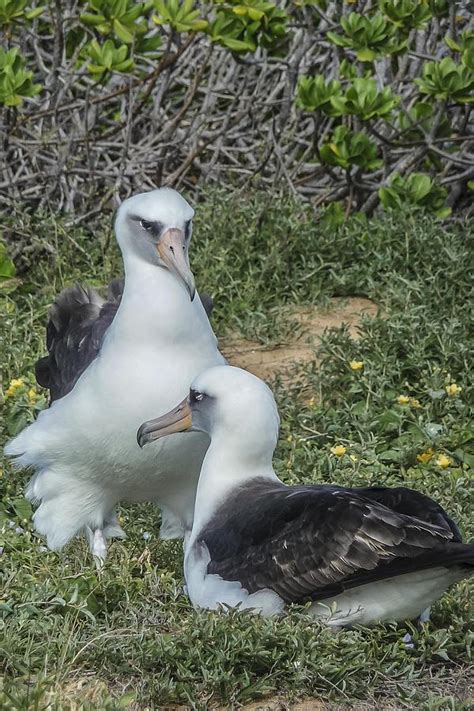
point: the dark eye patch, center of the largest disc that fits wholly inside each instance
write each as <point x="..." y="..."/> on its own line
<point x="153" y="228"/>
<point x="148" y="226"/>
<point x="196" y="396"/>
<point x="187" y="229"/>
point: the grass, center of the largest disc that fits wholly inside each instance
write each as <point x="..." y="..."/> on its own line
<point x="129" y="638"/>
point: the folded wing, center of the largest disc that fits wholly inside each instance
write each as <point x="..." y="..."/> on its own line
<point x="308" y="543"/>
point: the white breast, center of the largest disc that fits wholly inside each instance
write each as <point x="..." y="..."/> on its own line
<point x="84" y="448"/>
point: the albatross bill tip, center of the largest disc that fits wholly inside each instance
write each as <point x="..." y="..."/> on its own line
<point x="179" y="419"/>
<point x="172" y="249"/>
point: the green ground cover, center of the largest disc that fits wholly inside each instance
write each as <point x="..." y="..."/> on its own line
<point x="129" y="638"/>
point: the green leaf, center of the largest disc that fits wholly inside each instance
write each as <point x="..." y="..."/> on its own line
<point x="90" y="19"/>
<point x="366" y="55"/>
<point x="452" y="44"/>
<point x="122" y="32"/>
<point x="335" y="39"/>
<point x="7" y="267"/>
<point x="339" y="104"/>
<point x="22" y="508"/>
<point x="443" y="213"/>
<point x="238" y="45"/>
<point x="35" y="12"/>
<point x="420" y="186"/>
<point x="389" y="455"/>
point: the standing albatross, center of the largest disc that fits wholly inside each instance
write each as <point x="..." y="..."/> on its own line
<point x="357" y="556"/>
<point x="110" y="365"/>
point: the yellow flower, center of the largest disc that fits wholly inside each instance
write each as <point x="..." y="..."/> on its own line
<point x="415" y="403"/>
<point x="443" y="461"/>
<point x="15" y="384"/>
<point x="403" y="399"/>
<point x="311" y="402"/>
<point x="425" y="457"/>
<point x="453" y="389"/>
<point x="356" y="364"/>
<point x="32" y="395"/>
<point x="289" y="438"/>
<point x="338" y="450"/>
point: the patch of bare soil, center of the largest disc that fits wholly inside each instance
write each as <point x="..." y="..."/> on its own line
<point x="310" y="323"/>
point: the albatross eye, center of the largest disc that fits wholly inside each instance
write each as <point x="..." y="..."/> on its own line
<point x="196" y="396"/>
<point x="187" y="228"/>
<point x="148" y="226"/>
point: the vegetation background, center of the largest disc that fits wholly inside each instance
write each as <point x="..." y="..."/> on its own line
<point x="360" y="101"/>
<point x="328" y="149"/>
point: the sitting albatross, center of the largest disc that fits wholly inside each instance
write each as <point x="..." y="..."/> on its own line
<point x="110" y="365"/>
<point x="357" y="556"/>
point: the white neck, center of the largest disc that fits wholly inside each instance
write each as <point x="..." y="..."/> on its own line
<point x="156" y="304"/>
<point x="225" y="467"/>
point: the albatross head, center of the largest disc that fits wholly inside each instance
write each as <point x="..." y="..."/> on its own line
<point x="156" y="228"/>
<point x="227" y="403"/>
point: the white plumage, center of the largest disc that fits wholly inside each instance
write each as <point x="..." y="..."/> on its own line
<point x="83" y="449"/>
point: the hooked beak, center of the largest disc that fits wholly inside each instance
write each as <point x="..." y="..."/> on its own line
<point x="179" y="419"/>
<point x="173" y="252"/>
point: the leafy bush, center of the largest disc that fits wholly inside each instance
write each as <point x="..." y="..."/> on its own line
<point x="15" y="81"/>
<point x="341" y="101"/>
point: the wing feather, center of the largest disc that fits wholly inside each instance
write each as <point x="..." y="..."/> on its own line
<point x="78" y="322"/>
<point x="314" y="545"/>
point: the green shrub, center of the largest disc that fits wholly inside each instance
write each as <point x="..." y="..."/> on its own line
<point x="117" y="95"/>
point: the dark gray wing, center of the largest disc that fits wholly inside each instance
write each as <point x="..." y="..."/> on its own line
<point x="208" y="303"/>
<point x="78" y="321"/>
<point x="413" y="503"/>
<point x="310" y="543"/>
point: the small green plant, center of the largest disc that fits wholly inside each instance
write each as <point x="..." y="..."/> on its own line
<point x="347" y="149"/>
<point x="447" y="80"/>
<point x="419" y="190"/>
<point x="121" y="18"/>
<point x="362" y="98"/>
<point x="16" y="11"/>
<point x="23" y="402"/>
<point x="369" y="37"/>
<point x="315" y="93"/>
<point x="365" y="100"/>
<point x="181" y="16"/>
<point x="465" y="47"/>
<point x="107" y="58"/>
<point x="15" y="81"/>
<point x="242" y="26"/>
<point x="407" y="14"/>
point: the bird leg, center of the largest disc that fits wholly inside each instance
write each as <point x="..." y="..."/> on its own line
<point x="98" y="546"/>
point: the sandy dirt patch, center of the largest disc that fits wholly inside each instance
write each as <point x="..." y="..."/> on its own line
<point x="310" y="324"/>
